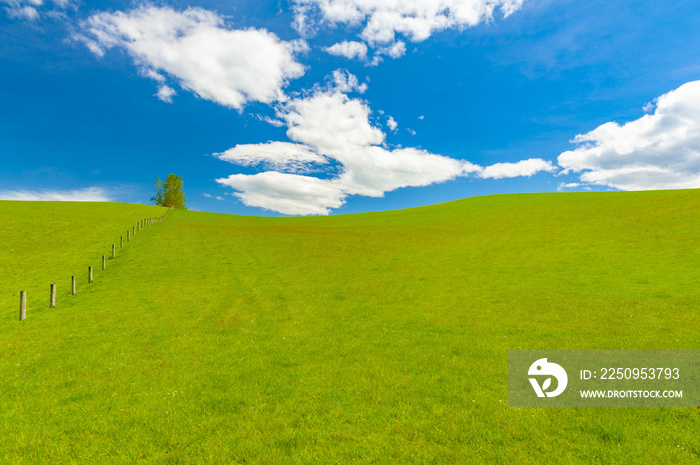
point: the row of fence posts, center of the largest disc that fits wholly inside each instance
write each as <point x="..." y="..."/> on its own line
<point x="52" y="302"/>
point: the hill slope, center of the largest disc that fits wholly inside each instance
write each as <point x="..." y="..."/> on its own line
<point x="376" y="337"/>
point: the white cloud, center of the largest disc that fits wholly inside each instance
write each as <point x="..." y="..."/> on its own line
<point x="274" y="155"/>
<point x="345" y="82"/>
<point x="382" y="20"/>
<point x="329" y="125"/>
<point x="395" y="50"/>
<point x="165" y="93"/>
<point x="31" y="10"/>
<point x="527" y="167"/>
<point x="348" y="49"/>
<point x="568" y="185"/>
<point x="391" y="122"/>
<point x="271" y="121"/>
<point x="89" y="194"/>
<point x="24" y="12"/>
<point x="657" y="151"/>
<point x="290" y="194"/>
<point x="228" y="66"/>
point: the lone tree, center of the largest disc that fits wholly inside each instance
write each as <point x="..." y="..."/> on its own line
<point x="169" y="192"/>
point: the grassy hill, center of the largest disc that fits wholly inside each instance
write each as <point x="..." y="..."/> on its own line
<point x="377" y="337"/>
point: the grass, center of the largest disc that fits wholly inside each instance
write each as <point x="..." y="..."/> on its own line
<point x="371" y="338"/>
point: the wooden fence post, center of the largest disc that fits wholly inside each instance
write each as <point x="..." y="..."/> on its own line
<point x="53" y="296"/>
<point x="133" y="230"/>
<point x="72" y="282"/>
<point x="22" y="305"/>
<point x="114" y="251"/>
<point x="121" y="242"/>
<point x="103" y="262"/>
<point x="128" y="239"/>
<point x="89" y="274"/>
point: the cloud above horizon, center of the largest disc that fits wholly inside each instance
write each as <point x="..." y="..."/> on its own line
<point x="657" y="151"/>
<point x="348" y="49"/>
<point x="31" y="10"/>
<point x="327" y="127"/>
<point x="383" y="20"/>
<point x="88" y="194"/>
<point x="194" y="47"/>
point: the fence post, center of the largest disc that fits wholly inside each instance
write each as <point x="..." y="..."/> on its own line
<point x="72" y="282"/>
<point x="114" y="251"/>
<point x="103" y="262"/>
<point x="22" y="305"/>
<point x="89" y="274"/>
<point x="53" y="296"/>
<point x="121" y="242"/>
<point x="128" y="239"/>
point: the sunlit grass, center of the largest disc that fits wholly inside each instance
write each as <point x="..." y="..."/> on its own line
<point x="378" y="337"/>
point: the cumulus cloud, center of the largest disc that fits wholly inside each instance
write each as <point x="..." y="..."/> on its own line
<point x="348" y="50"/>
<point x="395" y="50"/>
<point x="195" y="47"/>
<point x="657" y="151"/>
<point x="165" y="93"/>
<point x="527" y="167"/>
<point x="290" y="194"/>
<point x="31" y="10"/>
<point x="391" y="122"/>
<point x="568" y="185"/>
<point x="344" y="81"/>
<point x="382" y="20"/>
<point x="282" y="156"/>
<point x="89" y="194"/>
<point x="329" y="125"/>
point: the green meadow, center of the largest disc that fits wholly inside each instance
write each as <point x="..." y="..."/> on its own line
<point x="368" y="338"/>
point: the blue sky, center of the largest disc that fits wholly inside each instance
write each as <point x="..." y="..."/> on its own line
<point x="329" y="106"/>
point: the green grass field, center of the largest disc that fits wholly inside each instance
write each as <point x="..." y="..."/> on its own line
<point x="369" y="338"/>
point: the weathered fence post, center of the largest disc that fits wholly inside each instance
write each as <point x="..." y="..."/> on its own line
<point x="53" y="296"/>
<point x="104" y="264"/>
<point x="128" y="239"/>
<point x="72" y="285"/>
<point x="22" y="305"/>
<point x="138" y="226"/>
<point x="114" y="251"/>
<point x="89" y="274"/>
<point x="121" y="242"/>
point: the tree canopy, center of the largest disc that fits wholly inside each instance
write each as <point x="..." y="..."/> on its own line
<point x="169" y="192"/>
